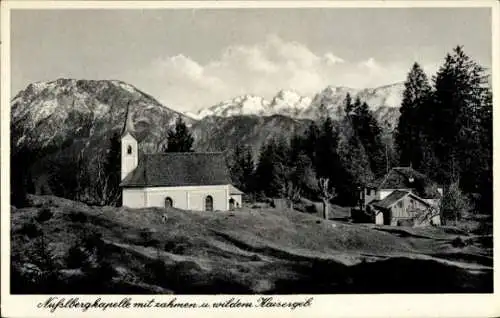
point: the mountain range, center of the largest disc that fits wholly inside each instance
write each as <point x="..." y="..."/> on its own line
<point x="383" y="101"/>
<point x="66" y="118"/>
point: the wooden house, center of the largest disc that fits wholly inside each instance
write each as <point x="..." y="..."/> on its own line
<point x="404" y="208"/>
<point x="403" y="195"/>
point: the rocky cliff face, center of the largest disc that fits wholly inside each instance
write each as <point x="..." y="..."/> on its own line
<point x="67" y="124"/>
<point x="67" y="110"/>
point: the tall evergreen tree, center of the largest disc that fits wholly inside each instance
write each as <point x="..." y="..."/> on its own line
<point x="112" y="168"/>
<point x="242" y="168"/>
<point x="310" y="140"/>
<point x="326" y="157"/>
<point x="302" y="175"/>
<point x="348" y="106"/>
<point x="459" y="117"/>
<point x="370" y="135"/>
<point x="412" y="121"/>
<point x="355" y="172"/>
<point x="180" y="138"/>
<point x="272" y="168"/>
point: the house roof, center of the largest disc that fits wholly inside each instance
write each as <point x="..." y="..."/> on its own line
<point x="408" y="178"/>
<point x="396" y="196"/>
<point x="392" y="198"/>
<point x="179" y="169"/>
<point x="234" y="190"/>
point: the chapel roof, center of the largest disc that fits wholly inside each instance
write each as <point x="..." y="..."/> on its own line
<point x="179" y="169"/>
<point x="234" y="190"/>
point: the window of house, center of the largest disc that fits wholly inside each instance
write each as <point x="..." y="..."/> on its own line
<point x="168" y="202"/>
<point x="209" y="203"/>
<point x="400" y="204"/>
<point x="129" y="150"/>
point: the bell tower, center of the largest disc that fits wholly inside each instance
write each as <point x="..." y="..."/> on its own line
<point x="129" y="147"/>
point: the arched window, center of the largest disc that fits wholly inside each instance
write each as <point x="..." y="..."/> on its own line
<point x="231" y="204"/>
<point x="168" y="202"/>
<point x="209" y="203"/>
<point x="129" y="150"/>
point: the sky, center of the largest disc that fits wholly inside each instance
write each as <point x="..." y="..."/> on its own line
<point x="190" y="59"/>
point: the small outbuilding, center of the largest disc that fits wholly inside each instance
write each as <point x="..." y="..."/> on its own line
<point x="405" y="208"/>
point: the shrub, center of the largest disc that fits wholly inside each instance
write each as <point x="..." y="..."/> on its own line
<point x="454" y="203"/>
<point x="31" y="229"/>
<point x="44" y="214"/>
<point x="93" y="240"/>
<point x="103" y="272"/>
<point x="77" y="257"/>
<point x="458" y="242"/>
<point x="156" y="271"/>
<point x="406" y="222"/>
<point x="146" y="235"/>
<point x="311" y="208"/>
<point x="175" y="247"/>
<point x="78" y="216"/>
<point x="42" y="255"/>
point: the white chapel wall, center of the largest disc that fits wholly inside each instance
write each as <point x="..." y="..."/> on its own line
<point x="189" y="198"/>
<point x="134" y="198"/>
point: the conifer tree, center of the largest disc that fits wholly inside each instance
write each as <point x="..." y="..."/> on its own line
<point x="112" y="168"/>
<point x="310" y="140"/>
<point x="326" y="151"/>
<point x="370" y="135"/>
<point x="459" y="114"/>
<point x="348" y="106"/>
<point x="355" y="167"/>
<point x="272" y="168"/>
<point x="413" y="120"/>
<point x="180" y="138"/>
<point x="303" y="176"/>
<point x="242" y="167"/>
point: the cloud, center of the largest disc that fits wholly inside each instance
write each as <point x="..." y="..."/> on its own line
<point x="261" y="69"/>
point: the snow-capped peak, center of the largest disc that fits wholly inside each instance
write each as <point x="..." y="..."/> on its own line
<point x="240" y="105"/>
<point x="291" y="103"/>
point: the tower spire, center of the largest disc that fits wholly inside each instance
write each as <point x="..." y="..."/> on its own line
<point x="128" y="127"/>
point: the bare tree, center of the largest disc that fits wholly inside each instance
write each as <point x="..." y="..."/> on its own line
<point x="293" y="192"/>
<point x="326" y="195"/>
<point x="103" y="191"/>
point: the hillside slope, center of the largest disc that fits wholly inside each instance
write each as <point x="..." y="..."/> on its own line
<point x="246" y="251"/>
